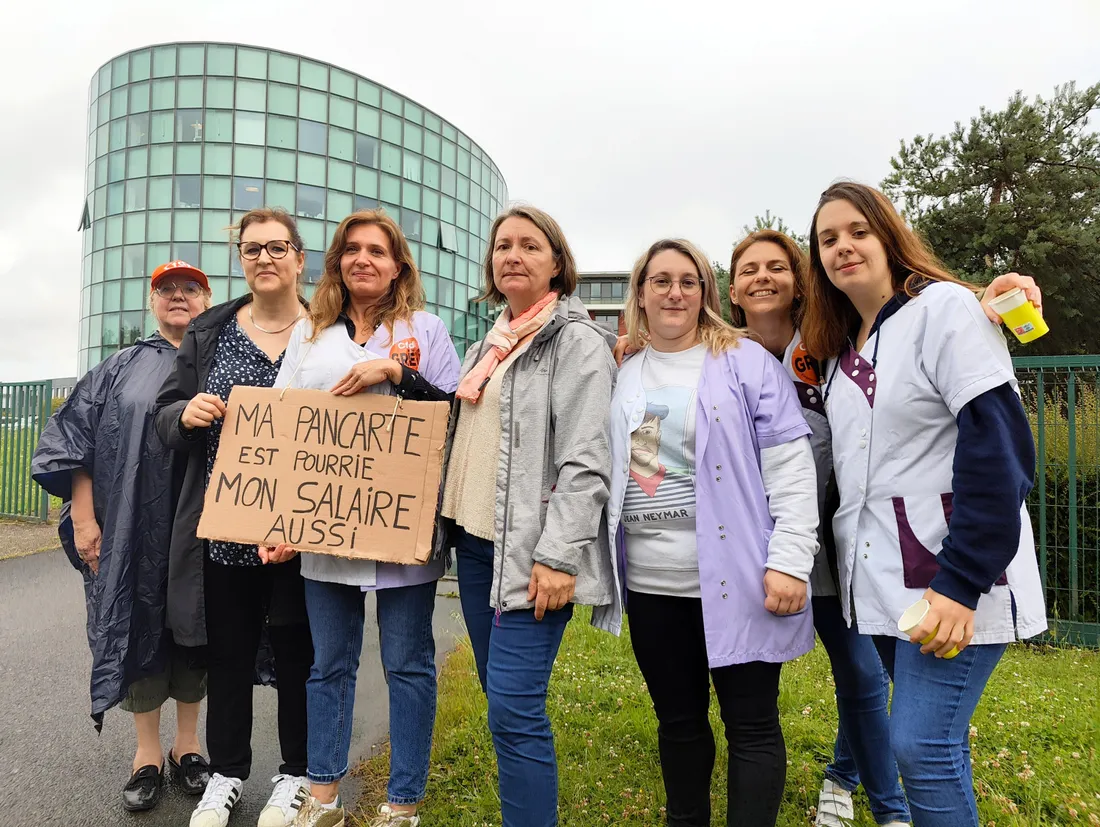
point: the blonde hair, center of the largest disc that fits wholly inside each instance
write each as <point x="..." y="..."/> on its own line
<point x="717" y="334"/>
<point x="565" y="282"/>
<point x="406" y="294"/>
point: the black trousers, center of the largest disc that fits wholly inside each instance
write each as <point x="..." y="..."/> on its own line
<point x="239" y="601"/>
<point x="667" y="636"/>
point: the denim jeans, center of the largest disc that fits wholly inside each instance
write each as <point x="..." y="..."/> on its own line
<point x="862" y="751"/>
<point x="934" y="699"/>
<point x="514" y="654"/>
<point x="408" y="657"/>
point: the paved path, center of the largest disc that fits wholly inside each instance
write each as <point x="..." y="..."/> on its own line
<point x="55" y="770"/>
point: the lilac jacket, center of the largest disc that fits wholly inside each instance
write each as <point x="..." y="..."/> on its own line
<point x="745" y="403"/>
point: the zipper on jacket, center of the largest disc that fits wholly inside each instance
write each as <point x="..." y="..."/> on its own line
<point x="507" y="491"/>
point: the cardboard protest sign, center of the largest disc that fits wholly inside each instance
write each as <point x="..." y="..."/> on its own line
<point x="354" y="476"/>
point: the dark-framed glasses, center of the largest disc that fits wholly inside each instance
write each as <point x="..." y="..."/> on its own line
<point x="662" y="284"/>
<point x="250" y="250"/>
<point x="190" y="289"/>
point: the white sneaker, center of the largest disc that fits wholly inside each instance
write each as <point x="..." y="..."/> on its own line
<point x="217" y="802"/>
<point x="313" y="813"/>
<point x="834" y="806"/>
<point x="388" y="818"/>
<point x="289" y="793"/>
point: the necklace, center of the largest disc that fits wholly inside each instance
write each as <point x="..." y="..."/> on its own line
<point x="273" y="332"/>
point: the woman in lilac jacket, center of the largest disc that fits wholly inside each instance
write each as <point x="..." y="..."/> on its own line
<point x="713" y="518"/>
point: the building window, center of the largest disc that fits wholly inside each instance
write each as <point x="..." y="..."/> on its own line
<point x="608" y="321"/>
<point x="312" y="137"/>
<point x="248" y="193"/>
<point x="366" y="151"/>
<point x="311" y="202"/>
<point x="188" y="191"/>
<point x="249" y="128"/>
<point x="448" y="237"/>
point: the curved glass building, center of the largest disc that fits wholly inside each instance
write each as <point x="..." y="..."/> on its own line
<point x="185" y="137"/>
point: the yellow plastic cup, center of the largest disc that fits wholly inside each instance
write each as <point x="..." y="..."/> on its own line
<point x="1019" y="315"/>
<point x="912" y="618"/>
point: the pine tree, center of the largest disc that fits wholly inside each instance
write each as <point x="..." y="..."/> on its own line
<point x="1016" y="190"/>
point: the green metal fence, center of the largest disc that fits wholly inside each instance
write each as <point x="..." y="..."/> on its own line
<point x="1062" y="398"/>
<point x="24" y="409"/>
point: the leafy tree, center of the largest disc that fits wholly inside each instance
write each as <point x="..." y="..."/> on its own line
<point x="723" y="276"/>
<point x="1017" y="190"/>
<point x="767" y="221"/>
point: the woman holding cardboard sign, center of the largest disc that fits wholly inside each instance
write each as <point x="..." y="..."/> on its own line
<point x="933" y="457"/>
<point x="526" y="481"/>
<point x="370" y="302"/>
<point x="223" y="590"/>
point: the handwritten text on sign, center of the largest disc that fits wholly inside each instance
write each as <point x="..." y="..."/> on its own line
<point x="352" y="476"/>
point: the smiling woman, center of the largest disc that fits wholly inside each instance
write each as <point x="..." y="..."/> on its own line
<point x="367" y="331"/>
<point x="689" y="408"/>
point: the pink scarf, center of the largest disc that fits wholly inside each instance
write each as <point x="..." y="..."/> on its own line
<point x="503" y="338"/>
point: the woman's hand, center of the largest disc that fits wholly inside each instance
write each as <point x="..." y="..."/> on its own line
<point x="364" y="374"/>
<point x="784" y="595"/>
<point x="1008" y="281"/>
<point x="201" y="411"/>
<point x="550" y="589"/>
<point x="955" y="624"/>
<point x="87" y="536"/>
<point x="622" y="350"/>
<point x="275" y="554"/>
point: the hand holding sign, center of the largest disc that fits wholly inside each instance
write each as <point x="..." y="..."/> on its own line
<point x="201" y="411"/>
<point x="275" y="554"/>
<point x="365" y="374"/>
<point x="305" y="470"/>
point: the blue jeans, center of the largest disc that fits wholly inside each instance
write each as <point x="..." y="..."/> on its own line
<point x="408" y="657"/>
<point x="514" y="654"/>
<point x="934" y="700"/>
<point x="862" y="750"/>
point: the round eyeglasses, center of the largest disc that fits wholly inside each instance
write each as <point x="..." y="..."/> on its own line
<point x="191" y="289"/>
<point x="662" y="284"/>
<point x="250" y="250"/>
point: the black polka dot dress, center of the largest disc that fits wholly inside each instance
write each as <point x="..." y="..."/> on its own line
<point x="237" y="361"/>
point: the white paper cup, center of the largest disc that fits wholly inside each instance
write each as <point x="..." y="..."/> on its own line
<point x="913" y="616"/>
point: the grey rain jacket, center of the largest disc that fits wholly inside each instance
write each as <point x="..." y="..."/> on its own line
<point x="554" y="459"/>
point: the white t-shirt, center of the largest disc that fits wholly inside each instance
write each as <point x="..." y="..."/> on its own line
<point x="659" y="506"/>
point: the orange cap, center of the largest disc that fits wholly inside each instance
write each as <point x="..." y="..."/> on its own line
<point x="179" y="268"/>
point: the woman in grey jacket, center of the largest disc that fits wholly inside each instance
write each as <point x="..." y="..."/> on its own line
<point x="526" y="480"/>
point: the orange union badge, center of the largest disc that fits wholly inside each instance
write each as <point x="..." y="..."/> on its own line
<point x="407" y="353"/>
<point x="804" y="365"/>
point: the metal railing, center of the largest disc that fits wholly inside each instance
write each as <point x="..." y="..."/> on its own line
<point x="24" y="409"/>
<point x="1062" y="398"/>
<point x="1061" y="395"/>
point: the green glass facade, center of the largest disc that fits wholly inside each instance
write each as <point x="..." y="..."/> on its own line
<point x="183" y="138"/>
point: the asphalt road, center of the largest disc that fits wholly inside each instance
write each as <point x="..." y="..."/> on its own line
<point x="55" y="769"/>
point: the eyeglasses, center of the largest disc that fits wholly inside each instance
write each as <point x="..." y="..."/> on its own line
<point x="190" y="289"/>
<point x="662" y="284"/>
<point x="250" y="250"/>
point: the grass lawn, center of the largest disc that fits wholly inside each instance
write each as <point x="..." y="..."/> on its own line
<point x="1034" y="740"/>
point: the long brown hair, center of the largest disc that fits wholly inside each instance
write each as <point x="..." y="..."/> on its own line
<point x="264" y="214"/>
<point x="717" y="334"/>
<point x="830" y="315"/>
<point x="565" y="282"/>
<point x="406" y="294"/>
<point x="797" y="260"/>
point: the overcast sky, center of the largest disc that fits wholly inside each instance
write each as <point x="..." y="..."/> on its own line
<point x="627" y="120"/>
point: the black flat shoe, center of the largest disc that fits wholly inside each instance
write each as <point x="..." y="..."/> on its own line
<point x="191" y="772"/>
<point x="143" y="790"/>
